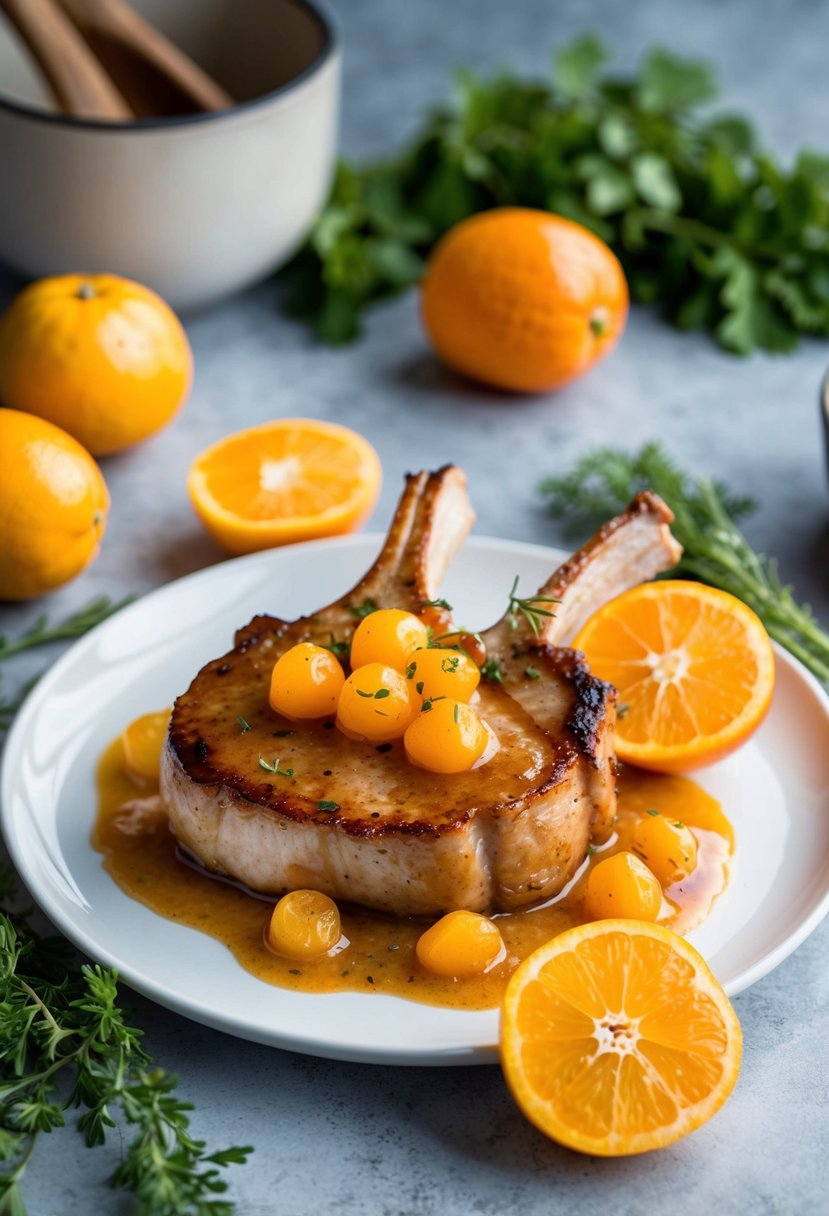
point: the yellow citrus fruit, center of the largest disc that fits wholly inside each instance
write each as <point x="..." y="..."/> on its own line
<point x="616" y="1038"/>
<point x="289" y="480"/>
<point x="522" y="299"/>
<point x="694" y="668"/>
<point x="102" y="357"/>
<point x="53" y="506"/>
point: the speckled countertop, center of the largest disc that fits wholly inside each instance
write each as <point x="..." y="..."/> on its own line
<point x="378" y="1141"/>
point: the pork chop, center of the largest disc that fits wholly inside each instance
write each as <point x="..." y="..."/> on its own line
<point x="357" y="820"/>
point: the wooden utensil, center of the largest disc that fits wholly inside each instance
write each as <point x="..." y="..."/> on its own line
<point x="79" y="83"/>
<point x="156" y="77"/>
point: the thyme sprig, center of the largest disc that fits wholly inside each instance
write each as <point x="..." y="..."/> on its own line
<point x="530" y="608"/>
<point x="64" y="1043"/>
<point x="715" y="550"/>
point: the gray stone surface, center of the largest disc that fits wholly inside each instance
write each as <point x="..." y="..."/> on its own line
<point x="378" y="1141"/>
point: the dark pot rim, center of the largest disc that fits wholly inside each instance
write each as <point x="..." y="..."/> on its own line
<point x="330" y="44"/>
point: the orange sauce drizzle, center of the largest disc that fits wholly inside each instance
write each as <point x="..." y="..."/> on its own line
<point x="140" y="852"/>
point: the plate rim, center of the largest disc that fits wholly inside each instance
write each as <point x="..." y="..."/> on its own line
<point x="135" y="977"/>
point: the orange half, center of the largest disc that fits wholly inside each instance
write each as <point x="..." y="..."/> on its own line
<point x="694" y="668"/>
<point x="616" y="1039"/>
<point x="290" y="480"/>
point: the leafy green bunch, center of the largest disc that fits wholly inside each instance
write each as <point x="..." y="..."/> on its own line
<point x="709" y="227"/>
<point x="64" y="1043"/>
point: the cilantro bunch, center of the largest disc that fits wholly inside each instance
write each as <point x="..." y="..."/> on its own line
<point x="709" y="227"/>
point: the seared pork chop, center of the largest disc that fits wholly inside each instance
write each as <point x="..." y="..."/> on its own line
<point x="398" y="838"/>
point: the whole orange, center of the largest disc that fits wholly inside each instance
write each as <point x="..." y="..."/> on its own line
<point x="53" y="506"/>
<point x="523" y="300"/>
<point x="102" y="357"/>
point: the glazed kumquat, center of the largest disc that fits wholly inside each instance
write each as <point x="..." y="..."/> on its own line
<point x="306" y="682"/>
<point x="304" y="925"/>
<point x="375" y="704"/>
<point x="143" y="741"/>
<point x="622" y="885"/>
<point x="446" y="737"/>
<point x="442" y="673"/>
<point x="388" y="635"/>
<point x="290" y="480"/>
<point x="617" y="1039"/>
<point x="460" y="945"/>
<point x="694" y="668"/>
<point x="667" y="846"/>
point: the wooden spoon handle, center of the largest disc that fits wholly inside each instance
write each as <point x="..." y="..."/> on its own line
<point x="79" y="83"/>
<point x="115" y="20"/>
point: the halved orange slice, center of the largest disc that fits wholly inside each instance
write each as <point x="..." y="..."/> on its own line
<point x="289" y="480"/>
<point x="694" y="668"/>
<point x="616" y="1038"/>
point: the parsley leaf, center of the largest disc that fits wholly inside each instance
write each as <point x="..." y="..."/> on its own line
<point x="710" y="229"/>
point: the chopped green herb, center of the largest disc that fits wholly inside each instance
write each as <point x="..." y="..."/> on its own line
<point x="427" y="705"/>
<point x="492" y="671"/>
<point x="677" y="823"/>
<point x="328" y="806"/>
<point x="651" y="811"/>
<point x="419" y="686"/>
<point x="449" y="665"/>
<point x="294" y="971"/>
<point x="532" y="673"/>
<point x="363" y="610"/>
<point x="244" y="725"/>
<point x="456" y="714"/>
<point x="381" y="694"/>
<point x="591" y="850"/>
<point x="369" y="979"/>
<point x="274" y="768"/>
<point x="438" y="603"/>
<point x="367" y="695"/>
<point x="410" y="670"/>
<point x="621" y="709"/>
<point x="337" y="648"/>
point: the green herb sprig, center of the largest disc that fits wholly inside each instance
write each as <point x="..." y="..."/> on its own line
<point x="715" y="550"/>
<point x="709" y="227"/>
<point x="73" y="626"/>
<point x="41" y="633"/>
<point x="530" y="608"/>
<point x="64" y="1043"/>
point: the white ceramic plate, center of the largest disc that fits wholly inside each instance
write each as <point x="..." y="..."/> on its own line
<point x="775" y="790"/>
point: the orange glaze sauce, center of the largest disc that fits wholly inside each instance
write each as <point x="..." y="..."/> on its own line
<point x="140" y="853"/>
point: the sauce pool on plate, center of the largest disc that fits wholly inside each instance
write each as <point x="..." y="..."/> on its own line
<point x="376" y="952"/>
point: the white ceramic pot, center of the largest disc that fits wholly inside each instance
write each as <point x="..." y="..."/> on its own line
<point x="196" y="207"/>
